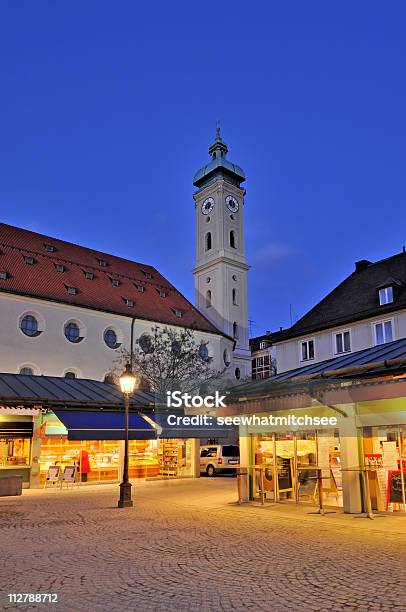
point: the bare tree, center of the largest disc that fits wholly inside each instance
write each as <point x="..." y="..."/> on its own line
<point x="170" y="360"/>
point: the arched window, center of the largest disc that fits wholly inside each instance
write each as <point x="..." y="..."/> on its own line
<point x="27" y="370"/>
<point x="234" y="296"/>
<point x="235" y="330"/>
<point x="232" y="239"/>
<point x="208" y="298"/>
<point x="208" y="241"/>
<point x="70" y="375"/>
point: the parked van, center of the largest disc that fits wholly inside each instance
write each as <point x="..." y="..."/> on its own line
<point x="218" y="458"/>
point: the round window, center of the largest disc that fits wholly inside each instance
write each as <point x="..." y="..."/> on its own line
<point x="29" y="326"/>
<point x="226" y="357"/>
<point x="110" y="339"/>
<point x="72" y="332"/>
<point x="145" y="342"/>
<point x="204" y="352"/>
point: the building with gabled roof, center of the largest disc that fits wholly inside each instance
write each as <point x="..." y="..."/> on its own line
<point x="66" y="309"/>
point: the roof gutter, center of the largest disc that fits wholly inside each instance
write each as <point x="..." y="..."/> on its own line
<point x="385" y="364"/>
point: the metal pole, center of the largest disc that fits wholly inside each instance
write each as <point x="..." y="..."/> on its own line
<point x="275" y="471"/>
<point x="402" y="480"/>
<point x="295" y="468"/>
<point x="125" y="500"/>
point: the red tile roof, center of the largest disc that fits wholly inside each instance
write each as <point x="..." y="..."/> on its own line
<point x="42" y="279"/>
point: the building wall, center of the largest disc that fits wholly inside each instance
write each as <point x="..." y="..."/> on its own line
<point x="52" y="354"/>
<point x="362" y="336"/>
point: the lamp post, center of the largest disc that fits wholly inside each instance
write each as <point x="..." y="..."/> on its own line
<point x="127" y="383"/>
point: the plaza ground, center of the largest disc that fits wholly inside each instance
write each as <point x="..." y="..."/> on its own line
<point x="186" y="545"/>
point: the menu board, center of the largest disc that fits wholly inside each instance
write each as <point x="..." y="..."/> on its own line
<point x="284" y="474"/>
<point x="69" y="473"/>
<point x="394" y="492"/>
<point x="53" y="472"/>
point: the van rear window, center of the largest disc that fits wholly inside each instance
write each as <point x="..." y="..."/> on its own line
<point x="231" y="451"/>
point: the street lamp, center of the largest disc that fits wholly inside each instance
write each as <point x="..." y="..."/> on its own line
<point x="128" y="382"/>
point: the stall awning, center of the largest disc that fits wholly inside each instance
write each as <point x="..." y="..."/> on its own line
<point x="105" y="425"/>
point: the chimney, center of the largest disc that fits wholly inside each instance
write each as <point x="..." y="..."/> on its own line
<point x="362" y="265"/>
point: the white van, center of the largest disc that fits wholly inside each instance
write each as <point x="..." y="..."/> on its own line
<point x="219" y="458"/>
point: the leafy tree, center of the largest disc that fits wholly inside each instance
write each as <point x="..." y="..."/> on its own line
<point x="170" y="360"/>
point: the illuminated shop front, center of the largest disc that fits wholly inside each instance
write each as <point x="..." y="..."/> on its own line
<point x="285" y="465"/>
<point x="16" y="432"/>
<point x="148" y="458"/>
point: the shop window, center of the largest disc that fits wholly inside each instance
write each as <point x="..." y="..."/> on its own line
<point x="383" y="332"/>
<point x="14" y="452"/>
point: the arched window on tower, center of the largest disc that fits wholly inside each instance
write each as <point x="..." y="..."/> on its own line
<point x="234" y="296"/>
<point x="235" y="330"/>
<point x="208" y="241"/>
<point x="232" y="239"/>
<point x="208" y="298"/>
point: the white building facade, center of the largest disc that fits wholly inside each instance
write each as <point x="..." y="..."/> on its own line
<point x="69" y="311"/>
<point x="220" y="271"/>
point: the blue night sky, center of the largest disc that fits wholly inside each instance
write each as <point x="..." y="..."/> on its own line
<point x="107" y="110"/>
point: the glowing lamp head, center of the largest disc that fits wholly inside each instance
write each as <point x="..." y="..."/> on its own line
<point x="128" y="381"/>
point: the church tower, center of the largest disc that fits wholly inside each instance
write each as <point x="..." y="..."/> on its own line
<point x="221" y="270"/>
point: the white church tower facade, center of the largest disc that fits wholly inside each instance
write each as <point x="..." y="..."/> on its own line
<point x="221" y="269"/>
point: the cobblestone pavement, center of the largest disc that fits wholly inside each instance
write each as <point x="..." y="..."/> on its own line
<point x="187" y="546"/>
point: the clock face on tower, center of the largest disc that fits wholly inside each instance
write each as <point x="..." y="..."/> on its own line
<point x="207" y="206"/>
<point x="232" y="203"/>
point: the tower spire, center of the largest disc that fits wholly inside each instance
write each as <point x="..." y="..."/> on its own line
<point x="218" y="148"/>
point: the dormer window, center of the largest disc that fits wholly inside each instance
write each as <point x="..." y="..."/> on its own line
<point x="263" y="344"/>
<point x="162" y="293"/>
<point x="89" y="275"/>
<point x="72" y="290"/>
<point x="177" y="312"/>
<point x="102" y="262"/>
<point x="147" y="274"/>
<point x="49" y="248"/>
<point x="3" y="275"/>
<point x="115" y="282"/>
<point x="385" y="295"/>
<point x="140" y="288"/>
<point x="29" y="260"/>
<point x="128" y="302"/>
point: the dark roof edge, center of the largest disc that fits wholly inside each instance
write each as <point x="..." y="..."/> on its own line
<point x="290" y="333"/>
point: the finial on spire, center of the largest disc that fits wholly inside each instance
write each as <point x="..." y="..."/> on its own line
<point x="218" y="148"/>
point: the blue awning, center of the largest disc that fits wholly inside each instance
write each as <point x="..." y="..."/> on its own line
<point x="104" y="425"/>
